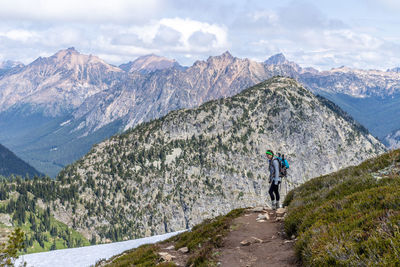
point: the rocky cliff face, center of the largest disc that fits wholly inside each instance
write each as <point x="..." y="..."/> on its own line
<point x="192" y="164"/>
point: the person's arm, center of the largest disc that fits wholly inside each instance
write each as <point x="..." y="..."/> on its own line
<point x="270" y="173"/>
<point x="276" y="167"/>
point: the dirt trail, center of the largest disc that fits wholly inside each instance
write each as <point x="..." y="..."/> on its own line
<point x="255" y="242"/>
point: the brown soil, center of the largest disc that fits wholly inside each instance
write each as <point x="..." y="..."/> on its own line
<point x="267" y="246"/>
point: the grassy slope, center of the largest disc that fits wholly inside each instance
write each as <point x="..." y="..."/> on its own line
<point x="350" y="217"/>
<point x="201" y="240"/>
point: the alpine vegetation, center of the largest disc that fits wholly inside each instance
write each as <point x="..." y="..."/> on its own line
<point x="172" y="173"/>
<point x="349" y="218"/>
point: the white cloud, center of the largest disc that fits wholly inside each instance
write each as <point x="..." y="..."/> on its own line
<point x="202" y="39"/>
<point x="122" y="30"/>
<point x="388" y="5"/>
<point x="264" y="15"/>
<point x="19" y="35"/>
<point x="188" y="27"/>
<point x="166" y="36"/>
<point x="80" y="10"/>
<point x="174" y="35"/>
<point x="309" y="37"/>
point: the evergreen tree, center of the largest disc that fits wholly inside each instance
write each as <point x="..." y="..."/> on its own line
<point x="9" y="251"/>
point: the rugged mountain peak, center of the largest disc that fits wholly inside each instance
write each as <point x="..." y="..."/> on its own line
<point x="9" y="64"/>
<point x="277" y="59"/>
<point x="58" y="83"/>
<point x="221" y="61"/>
<point x="70" y="59"/>
<point x="149" y="63"/>
<point x="66" y="53"/>
<point x="224" y="56"/>
<point x="280" y="61"/>
<point x="227" y="54"/>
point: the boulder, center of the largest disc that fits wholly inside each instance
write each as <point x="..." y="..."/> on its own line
<point x="280" y="211"/>
<point x="245" y="242"/>
<point x="183" y="250"/>
<point x="166" y="256"/>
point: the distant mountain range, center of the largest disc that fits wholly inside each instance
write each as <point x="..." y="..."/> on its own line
<point x="53" y="110"/>
<point x="10" y="164"/>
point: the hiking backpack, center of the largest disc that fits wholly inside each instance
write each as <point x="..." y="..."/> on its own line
<point x="283" y="165"/>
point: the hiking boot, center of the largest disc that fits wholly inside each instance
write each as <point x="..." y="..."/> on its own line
<point x="273" y="204"/>
<point x="278" y="205"/>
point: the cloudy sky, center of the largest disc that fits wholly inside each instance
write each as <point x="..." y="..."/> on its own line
<point x="322" y="34"/>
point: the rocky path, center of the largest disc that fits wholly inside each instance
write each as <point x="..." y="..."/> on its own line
<point x="257" y="239"/>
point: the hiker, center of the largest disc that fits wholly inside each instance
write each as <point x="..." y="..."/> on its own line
<point x="274" y="179"/>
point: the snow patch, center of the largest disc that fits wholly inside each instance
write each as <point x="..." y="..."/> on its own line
<point x="87" y="256"/>
<point x="65" y="122"/>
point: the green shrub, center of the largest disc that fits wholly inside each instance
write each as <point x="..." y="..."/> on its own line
<point x="145" y="255"/>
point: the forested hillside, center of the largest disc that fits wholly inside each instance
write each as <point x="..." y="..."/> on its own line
<point x="21" y="205"/>
<point x="10" y="164"/>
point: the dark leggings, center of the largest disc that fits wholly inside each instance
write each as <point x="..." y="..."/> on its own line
<point x="274" y="189"/>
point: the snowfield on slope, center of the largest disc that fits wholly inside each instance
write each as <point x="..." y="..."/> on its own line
<point x="86" y="256"/>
